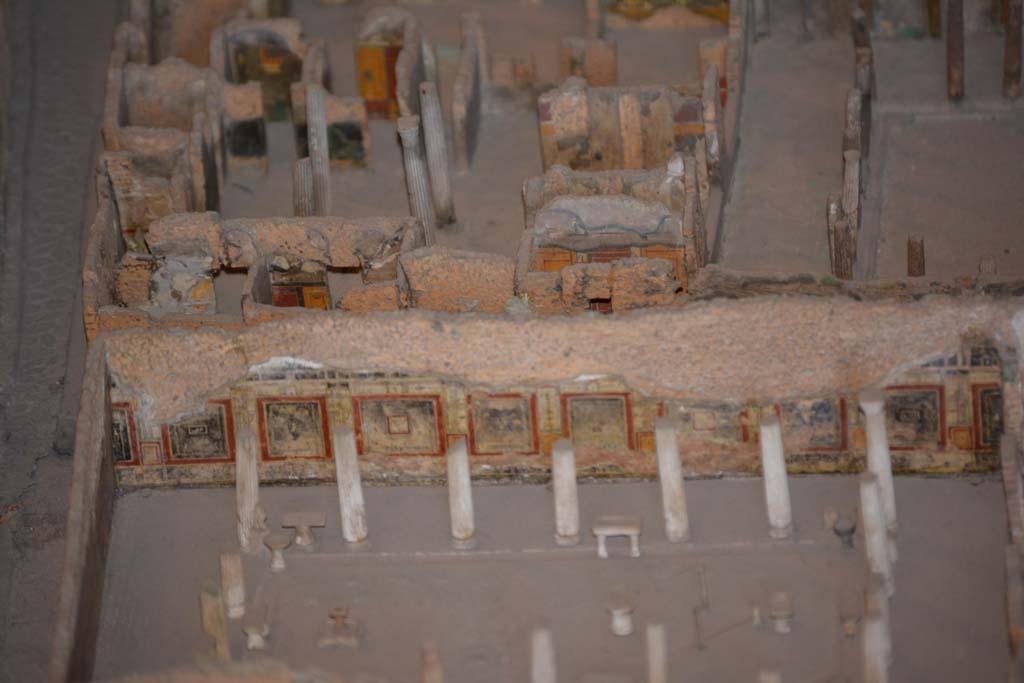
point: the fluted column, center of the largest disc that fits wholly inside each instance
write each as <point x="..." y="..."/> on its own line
<point x="251" y="520"/>
<point x="417" y="183"/>
<point x="567" y="505"/>
<point x="670" y="474"/>
<point x="319" y="154"/>
<point x="542" y="657"/>
<point x="431" y="671"/>
<point x="460" y="494"/>
<point x="872" y="402"/>
<point x="232" y="585"/>
<point x="657" y="654"/>
<point x="876" y="542"/>
<point x="876" y="632"/>
<point x="438" y="155"/>
<point x="302" y="187"/>
<point x="776" y="481"/>
<point x="350" y="486"/>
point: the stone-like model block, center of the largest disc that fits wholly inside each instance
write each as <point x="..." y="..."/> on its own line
<point x="458" y="281"/>
<point x="642" y="282"/>
<point x="195" y="234"/>
<point x="131" y="286"/>
<point x="582" y="282"/>
<point x="374" y="297"/>
<point x="543" y="291"/>
<point x="183" y="285"/>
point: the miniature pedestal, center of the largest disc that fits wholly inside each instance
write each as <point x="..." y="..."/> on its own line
<point x="304" y="523"/>
<point x="256" y="628"/>
<point x="617" y="526"/>
<point x="277" y="544"/>
<point x="781" y="612"/>
<point x="621" y="612"/>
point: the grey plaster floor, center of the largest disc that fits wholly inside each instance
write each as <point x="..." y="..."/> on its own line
<point x="790" y="150"/>
<point x="947" y="172"/>
<point x="408" y="584"/>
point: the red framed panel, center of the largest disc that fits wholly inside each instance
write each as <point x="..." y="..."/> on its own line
<point x="534" y="433"/>
<point x="976" y="390"/>
<point x="229" y="438"/>
<point x="940" y="391"/>
<point x="358" y="419"/>
<point x="567" y="416"/>
<point x="324" y="425"/>
<point x="843" y="429"/>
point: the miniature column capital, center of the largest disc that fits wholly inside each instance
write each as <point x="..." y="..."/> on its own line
<point x="872" y="401"/>
<point x="409" y="131"/>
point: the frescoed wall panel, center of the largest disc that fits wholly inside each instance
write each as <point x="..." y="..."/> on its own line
<point x="207" y="438"/>
<point x="399" y="425"/>
<point x="916" y="416"/>
<point x="814" y="425"/>
<point x="988" y="415"/>
<point x="602" y="421"/>
<point x="503" y="423"/>
<point x="294" y="427"/>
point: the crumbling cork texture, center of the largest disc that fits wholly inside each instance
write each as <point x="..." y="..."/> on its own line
<point x="772" y="348"/>
<point x="458" y="281"/>
<point x="642" y="282"/>
<point x="377" y="296"/>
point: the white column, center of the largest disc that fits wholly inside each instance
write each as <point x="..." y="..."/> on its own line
<point x="876" y="632"/>
<point x="876" y="602"/>
<point x="319" y="155"/>
<point x="670" y="474"/>
<point x="567" y="504"/>
<point x="250" y="517"/>
<point x="302" y="187"/>
<point x="417" y="182"/>
<point x="657" y="654"/>
<point x="350" y="486"/>
<point x="232" y="585"/>
<point x="873" y="641"/>
<point x="439" y="163"/>
<point x="542" y="658"/>
<point x="872" y="402"/>
<point x="875" y="537"/>
<point x="776" y="482"/>
<point x="431" y="664"/>
<point x="460" y="493"/>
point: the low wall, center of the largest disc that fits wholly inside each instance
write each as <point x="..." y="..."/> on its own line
<point x="602" y="128"/>
<point x="844" y="209"/>
<point x="87" y="533"/>
<point x="948" y="365"/>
